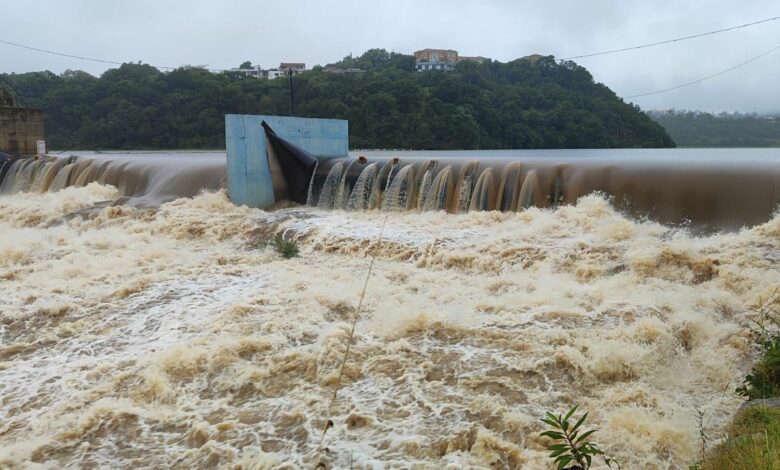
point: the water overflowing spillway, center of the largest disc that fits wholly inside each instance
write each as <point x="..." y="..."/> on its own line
<point x="143" y="179"/>
<point x="170" y="334"/>
<point x="716" y="188"/>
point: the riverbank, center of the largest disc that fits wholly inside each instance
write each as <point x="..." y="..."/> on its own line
<point x="752" y="440"/>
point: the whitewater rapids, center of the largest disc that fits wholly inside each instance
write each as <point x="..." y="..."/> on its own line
<point x="174" y="337"/>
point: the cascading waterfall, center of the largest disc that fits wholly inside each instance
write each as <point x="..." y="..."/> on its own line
<point x="484" y="195"/>
<point x="398" y="194"/>
<point x="310" y="194"/>
<point x="7" y="185"/>
<point x="27" y="176"/>
<point x="724" y="194"/>
<point x="144" y="179"/>
<point x="343" y="192"/>
<point x="510" y="186"/>
<point x="439" y="194"/>
<point x="465" y="186"/>
<point x="527" y="197"/>
<point x="361" y="195"/>
<point x="382" y="185"/>
<point x="60" y="180"/>
<point x="423" y="187"/>
<point x="331" y="186"/>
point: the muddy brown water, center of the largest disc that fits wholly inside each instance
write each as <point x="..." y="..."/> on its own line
<point x="171" y="336"/>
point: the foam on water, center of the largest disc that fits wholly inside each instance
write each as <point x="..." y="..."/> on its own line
<point x="170" y="337"/>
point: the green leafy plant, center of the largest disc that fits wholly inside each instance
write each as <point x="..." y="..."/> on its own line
<point x="763" y="381"/>
<point x="764" y="378"/>
<point x="287" y="248"/>
<point x="571" y="442"/>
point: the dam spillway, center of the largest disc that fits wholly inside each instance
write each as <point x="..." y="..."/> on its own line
<point x="145" y="179"/>
<point x="718" y="188"/>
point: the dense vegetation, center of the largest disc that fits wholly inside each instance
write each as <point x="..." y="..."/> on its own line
<point x="527" y="103"/>
<point x="697" y="129"/>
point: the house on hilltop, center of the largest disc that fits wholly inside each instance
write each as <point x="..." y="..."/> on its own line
<point x="253" y="72"/>
<point x="435" y="59"/>
<point x="259" y="72"/>
<point x="294" y="67"/>
<point x="441" y="59"/>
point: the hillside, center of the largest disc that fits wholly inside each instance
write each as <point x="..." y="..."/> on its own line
<point x="537" y="103"/>
<point x="698" y="129"/>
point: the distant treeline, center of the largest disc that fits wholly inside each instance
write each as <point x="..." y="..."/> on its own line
<point x="527" y="103"/>
<point x="698" y="129"/>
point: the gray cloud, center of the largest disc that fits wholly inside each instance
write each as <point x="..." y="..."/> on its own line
<point x="223" y="34"/>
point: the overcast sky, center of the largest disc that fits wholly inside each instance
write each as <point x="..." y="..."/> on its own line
<point x="222" y="34"/>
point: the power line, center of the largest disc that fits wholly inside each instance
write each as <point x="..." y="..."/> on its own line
<point x="613" y="51"/>
<point x="708" y="76"/>
<point x="73" y="56"/>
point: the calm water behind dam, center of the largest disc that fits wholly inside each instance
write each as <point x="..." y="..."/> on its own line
<point x="166" y="333"/>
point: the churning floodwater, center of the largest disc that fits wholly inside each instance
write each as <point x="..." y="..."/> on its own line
<point x="172" y="335"/>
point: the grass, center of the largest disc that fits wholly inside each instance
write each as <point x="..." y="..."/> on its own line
<point x="752" y="442"/>
<point x="287" y="248"/>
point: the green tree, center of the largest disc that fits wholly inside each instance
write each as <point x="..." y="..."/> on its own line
<point x="526" y="103"/>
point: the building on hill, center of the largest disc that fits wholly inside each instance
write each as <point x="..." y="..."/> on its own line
<point x="441" y="59"/>
<point x="254" y="72"/>
<point x="259" y="72"/>
<point x="294" y="67"/>
<point x="435" y="59"/>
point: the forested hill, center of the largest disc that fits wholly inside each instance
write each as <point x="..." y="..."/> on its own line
<point x="526" y="103"/>
<point x="698" y="129"/>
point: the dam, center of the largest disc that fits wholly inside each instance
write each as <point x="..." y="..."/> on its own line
<point x="714" y="188"/>
<point x="145" y="321"/>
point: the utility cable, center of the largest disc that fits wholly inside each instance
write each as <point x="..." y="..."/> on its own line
<point x="707" y="77"/>
<point x="329" y="422"/>
<point x="73" y="56"/>
<point x="668" y="41"/>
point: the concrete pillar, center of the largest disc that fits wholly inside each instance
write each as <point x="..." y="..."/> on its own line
<point x="248" y="172"/>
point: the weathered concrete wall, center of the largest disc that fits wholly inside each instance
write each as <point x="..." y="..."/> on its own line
<point x="20" y="129"/>
<point x="248" y="173"/>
